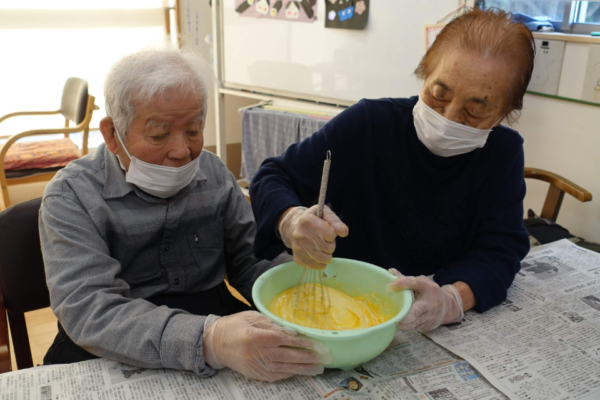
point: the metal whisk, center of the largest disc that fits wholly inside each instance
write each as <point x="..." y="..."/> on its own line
<point x="312" y="299"/>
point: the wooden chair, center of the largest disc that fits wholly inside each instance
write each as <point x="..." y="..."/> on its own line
<point x="22" y="279"/>
<point x="77" y="106"/>
<point x="556" y="192"/>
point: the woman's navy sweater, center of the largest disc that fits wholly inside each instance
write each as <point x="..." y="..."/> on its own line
<point x="459" y="218"/>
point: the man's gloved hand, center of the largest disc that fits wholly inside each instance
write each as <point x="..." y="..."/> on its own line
<point x="258" y="348"/>
<point x="433" y="305"/>
<point x="311" y="238"/>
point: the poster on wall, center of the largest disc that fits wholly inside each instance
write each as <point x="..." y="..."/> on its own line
<point x="288" y="10"/>
<point x="346" y="14"/>
<point x="547" y="66"/>
<point x="591" y="84"/>
<point x="431" y="33"/>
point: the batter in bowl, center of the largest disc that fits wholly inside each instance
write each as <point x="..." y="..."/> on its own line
<point x="341" y="312"/>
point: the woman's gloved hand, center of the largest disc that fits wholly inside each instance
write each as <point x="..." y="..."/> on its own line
<point x="433" y="305"/>
<point x="311" y="238"/>
<point x="258" y="348"/>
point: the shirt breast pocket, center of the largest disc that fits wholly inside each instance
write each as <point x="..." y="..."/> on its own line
<point x="208" y="248"/>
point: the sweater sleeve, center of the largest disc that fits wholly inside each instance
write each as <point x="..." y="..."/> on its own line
<point x="490" y="266"/>
<point x="294" y="178"/>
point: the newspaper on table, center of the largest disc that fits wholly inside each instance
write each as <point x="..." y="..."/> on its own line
<point x="543" y="343"/>
<point x="412" y="368"/>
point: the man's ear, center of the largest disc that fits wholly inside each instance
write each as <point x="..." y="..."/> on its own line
<point x="109" y="133"/>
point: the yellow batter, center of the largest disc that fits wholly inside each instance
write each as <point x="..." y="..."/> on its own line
<point x="344" y="313"/>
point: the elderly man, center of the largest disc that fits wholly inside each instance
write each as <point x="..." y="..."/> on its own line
<point x="138" y="238"/>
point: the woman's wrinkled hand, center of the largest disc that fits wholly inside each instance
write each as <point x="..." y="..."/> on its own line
<point x="433" y="305"/>
<point x="311" y="238"/>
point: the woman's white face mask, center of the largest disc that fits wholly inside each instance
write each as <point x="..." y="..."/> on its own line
<point x="446" y="138"/>
<point x="158" y="180"/>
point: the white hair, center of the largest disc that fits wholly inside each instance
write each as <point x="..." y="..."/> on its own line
<point x="138" y="78"/>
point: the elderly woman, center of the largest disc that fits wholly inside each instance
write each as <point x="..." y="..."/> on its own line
<point x="429" y="185"/>
<point x="138" y="237"/>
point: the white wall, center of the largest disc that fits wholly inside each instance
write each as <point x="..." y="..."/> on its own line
<point x="563" y="137"/>
<point x="41" y="48"/>
<point x="195" y="39"/>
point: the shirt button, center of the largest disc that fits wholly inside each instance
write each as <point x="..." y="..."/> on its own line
<point x="166" y="248"/>
<point x="196" y="238"/>
<point x="177" y="282"/>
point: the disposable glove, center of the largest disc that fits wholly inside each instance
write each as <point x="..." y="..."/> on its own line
<point x="433" y="305"/>
<point x="311" y="238"/>
<point x="258" y="348"/>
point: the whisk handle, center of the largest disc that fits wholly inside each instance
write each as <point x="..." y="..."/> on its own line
<point x="324" y="181"/>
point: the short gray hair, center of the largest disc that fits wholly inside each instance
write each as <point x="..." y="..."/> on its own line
<point x="139" y="77"/>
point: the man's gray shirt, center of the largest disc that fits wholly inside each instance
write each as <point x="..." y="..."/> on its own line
<point x="107" y="246"/>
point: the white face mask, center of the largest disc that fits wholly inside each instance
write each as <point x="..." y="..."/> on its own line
<point x="443" y="137"/>
<point x="158" y="180"/>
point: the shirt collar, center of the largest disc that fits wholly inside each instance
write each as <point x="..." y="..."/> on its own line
<point x="115" y="185"/>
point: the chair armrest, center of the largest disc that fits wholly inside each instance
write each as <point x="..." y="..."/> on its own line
<point x="559" y="182"/>
<point x="83" y="126"/>
<point x="21" y="113"/>
<point x="7" y="116"/>
<point x="5" y="365"/>
<point x="50" y="132"/>
<point x="556" y="192"/>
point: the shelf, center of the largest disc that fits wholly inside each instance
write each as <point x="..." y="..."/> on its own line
<point x="567" y="37"/>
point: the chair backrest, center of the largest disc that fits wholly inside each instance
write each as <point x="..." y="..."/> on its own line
<point x="74" y="100"/>
<point x="22" y="277"/>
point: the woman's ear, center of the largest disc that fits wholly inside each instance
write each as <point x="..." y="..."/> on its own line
<point x="108" y="132"/>
<point x="505" y="116"/>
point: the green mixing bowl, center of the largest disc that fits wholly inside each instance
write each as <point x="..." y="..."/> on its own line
<point x="349" y="348"/>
